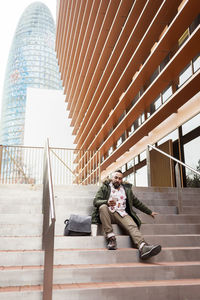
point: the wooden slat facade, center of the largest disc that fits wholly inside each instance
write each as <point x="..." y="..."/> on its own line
<point x="108" y="52"/>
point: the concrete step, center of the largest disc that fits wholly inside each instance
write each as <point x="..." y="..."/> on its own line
<point x="20" y="200"/>
<point x="163" y="191"/>
<point x="146" y="229"/>
<point x="82" y="209"/>
<point x="21" y="219"/>
<point x="37" y="219"/>
<point x="170" y="219"/>
<point x="191" y="210"/>
<point x="186" y="240"/>
<point x="160" y="219"/>
<point x="96" y="256"/>
<point x="146" y="219"/>
<point x="21" y="229"/>
<point x="69" y="274"/>
<point x="93" y="242"/>
<point x="178" y="235"/>
<point x="145" y="290"/>
<point x="161" y="209"/>
<point x="167" y="202"/>
<point x="20" y="209"/>
<point x="154" y="229"/>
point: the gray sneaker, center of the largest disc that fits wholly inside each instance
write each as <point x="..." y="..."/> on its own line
<point x="112" y="243"/>
<point x="148" y="251"/>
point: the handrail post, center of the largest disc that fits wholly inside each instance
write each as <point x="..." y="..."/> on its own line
<point x="1" y="155"/>
<point x="148" y="165"/>
<point x="48" y="210"/>
<point x="99" y="167"/>
<point x="48" y="262"/>
<point x="178" y="187"/>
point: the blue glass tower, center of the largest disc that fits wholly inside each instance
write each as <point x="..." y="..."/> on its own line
<point x="31" y="63"/>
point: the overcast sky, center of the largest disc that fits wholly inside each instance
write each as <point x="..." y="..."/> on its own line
<point x="10" y="13"/>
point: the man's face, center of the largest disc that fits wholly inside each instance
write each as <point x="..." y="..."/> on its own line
<point x="117" y="180"/>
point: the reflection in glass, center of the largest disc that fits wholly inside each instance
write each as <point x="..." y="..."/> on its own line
<point x="185" y="74"/>
<point x="196" y="63"/>
<point x="130" y="178"/>
<point x="155" y="105"/>
<point x="167" y="93"/>
<point x="130" y="164"/>
<point x="191" y="124"/>
<point x="141" y="177"/>
<point x="192" y="158"/>
<point x="143" y="156"/>
<point x="171" y="136"/>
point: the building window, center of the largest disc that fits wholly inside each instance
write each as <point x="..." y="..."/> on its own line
<point x="192" y="159"/>
<point x="185" y="74"/>
<point x="130" y="164"/>
<point x="194" y="24"/>
<point x="154" y="75"/>
<point x="191" y="142"/>
<point x="119" y="142"/>
<point x="143" y="156"/>
<point x="196" y="63"/>
<point x="155" y="105"/>
<point x="166" y="93"/>
<point x="136" y="160"/>
<point x="141" y="177"/>
<point x="130" y="178"/>
<point x="191" y="124"/>
<point x="123" y="168"/>
<point x="164" y="62"/>
<point x="121" y="117"/>
<point x="143" y="118"/>
<point x="110" y="151"/>
<point x="184" y="37"/>
<point x="173" y="136"/>
<point x="131" y="129"/>
<point x="133" y="102"/>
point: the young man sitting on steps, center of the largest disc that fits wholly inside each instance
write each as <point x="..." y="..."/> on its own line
<point x="114" y="203"/>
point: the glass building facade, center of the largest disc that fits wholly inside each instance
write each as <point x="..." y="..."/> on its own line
<point x="31" y="63"/>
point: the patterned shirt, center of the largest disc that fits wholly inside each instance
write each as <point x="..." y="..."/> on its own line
<point x="120" y="195"/>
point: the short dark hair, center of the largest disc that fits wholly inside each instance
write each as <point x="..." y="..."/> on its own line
<point x="118" y="171"/>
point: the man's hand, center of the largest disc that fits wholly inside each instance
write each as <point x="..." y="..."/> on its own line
<point x="112" y="202"/>
<point x="154" y="214"/>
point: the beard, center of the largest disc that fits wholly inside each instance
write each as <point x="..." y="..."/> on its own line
<point x="116" y="185"/>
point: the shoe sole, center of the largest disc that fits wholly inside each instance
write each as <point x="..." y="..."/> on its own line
<point x="112" y="248"/>
<point x="152" y="252"/>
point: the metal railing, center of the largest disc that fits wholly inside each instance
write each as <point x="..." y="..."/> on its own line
<point x="49" y="219"/>
<point x="177" y="172"/>
<point x="21" y="164"/>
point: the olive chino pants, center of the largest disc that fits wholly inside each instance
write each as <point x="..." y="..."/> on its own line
<point x="126" y="222"/>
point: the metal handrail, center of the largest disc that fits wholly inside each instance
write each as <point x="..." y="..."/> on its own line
<point x="173" y="158"/>
<point x="49" y="219"/>
<point x="68" y="168"/>
<point x="17" y="165"/>
<point x="177" y="172"/>
<point x="22" y="164"/>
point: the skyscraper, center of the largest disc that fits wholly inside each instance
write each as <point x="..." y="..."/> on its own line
<point x="31" y="63"/>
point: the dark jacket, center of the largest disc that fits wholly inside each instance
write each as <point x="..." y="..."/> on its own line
<point x="103" y="195"/>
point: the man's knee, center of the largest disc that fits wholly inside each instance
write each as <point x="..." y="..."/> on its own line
<point x="103" y="208"/>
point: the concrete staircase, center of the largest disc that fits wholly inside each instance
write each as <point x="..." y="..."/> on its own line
<point x="83" y="268"/>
